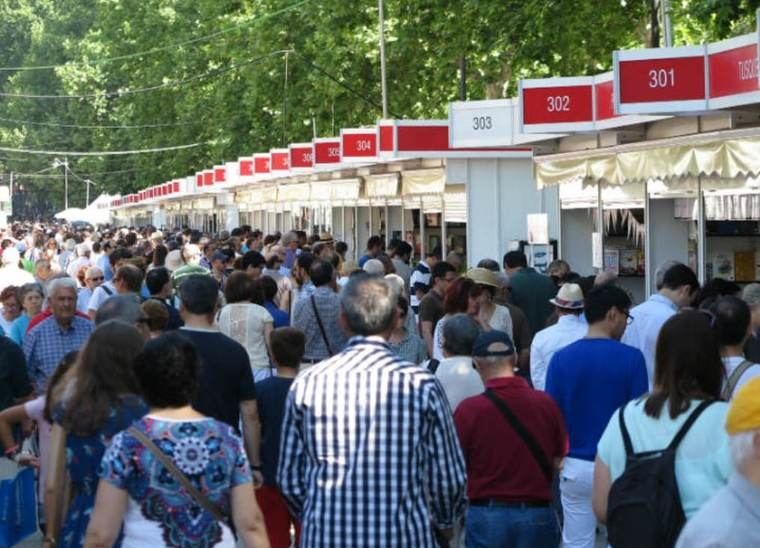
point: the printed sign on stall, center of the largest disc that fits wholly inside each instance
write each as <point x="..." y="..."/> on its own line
<point x="733" y="72"/>
<point x="326" y="151"/>
<point x="661" y="80"/>
<point x="480" y="123"/>
<point x="358" y="144"/>
<point x="557" y="104"/>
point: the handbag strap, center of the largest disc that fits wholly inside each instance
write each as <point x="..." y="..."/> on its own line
<point x="321" y="327"/>
<point x="523" y="433"/>
<point x="186" y="484"/>
<point x="732" y="381"/>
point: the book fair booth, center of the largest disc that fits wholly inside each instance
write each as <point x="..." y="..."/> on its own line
<point x="657" y="160"/>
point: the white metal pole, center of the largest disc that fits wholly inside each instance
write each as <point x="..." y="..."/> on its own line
<point x="65" y="182"/>
<point x="383" y="82"/>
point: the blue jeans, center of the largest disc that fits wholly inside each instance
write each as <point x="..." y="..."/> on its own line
<point x="511" y="527"/>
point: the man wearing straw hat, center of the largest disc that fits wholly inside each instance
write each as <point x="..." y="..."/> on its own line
<point x="731" y="518"/>
<point x="569" y="328"/>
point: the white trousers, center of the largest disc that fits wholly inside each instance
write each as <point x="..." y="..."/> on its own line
<point x="576" y="482"/>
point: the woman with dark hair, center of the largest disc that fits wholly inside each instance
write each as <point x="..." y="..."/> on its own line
<point x="97" y="398"/>
<point x="159" y="256"/>
<point x="141" y="491"/>
<point x="245" y="319"/>
<point x="405" y="343"/>
<point x="270" y="290"/>
<point x="688" y="375"/>
<point x="462" y="297"/>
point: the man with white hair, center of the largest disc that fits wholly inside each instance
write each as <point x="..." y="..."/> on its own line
<point x="93" y="278"/>
<point x="11" y="273"/>
<point x="751" y="296"/>
<point x="50" y="340"/>
<point x="731" y="518"/>
<point x="83" y="259"/>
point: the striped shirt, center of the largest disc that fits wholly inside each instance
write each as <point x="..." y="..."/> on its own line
<point x="369" y="455"/>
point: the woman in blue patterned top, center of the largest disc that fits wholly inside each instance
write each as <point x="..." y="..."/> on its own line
<point x="138" y="490"/>
<point x="96" y="399"/>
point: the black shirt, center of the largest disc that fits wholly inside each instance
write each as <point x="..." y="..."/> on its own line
<point x="14" y="379"/>
<point x="225" y="378"/>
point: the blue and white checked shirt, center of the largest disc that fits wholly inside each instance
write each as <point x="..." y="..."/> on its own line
<point x="328" y="305"/>
<point x="369" y="455"/>
<point x="47" y="343"/>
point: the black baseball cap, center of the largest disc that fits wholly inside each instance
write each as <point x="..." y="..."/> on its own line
<point x="493" y="343"/>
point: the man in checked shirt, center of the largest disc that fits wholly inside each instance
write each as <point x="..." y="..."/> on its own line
<point x="369" y="454"/>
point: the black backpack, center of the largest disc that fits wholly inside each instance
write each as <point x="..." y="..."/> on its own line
<point x="644" y="505"/>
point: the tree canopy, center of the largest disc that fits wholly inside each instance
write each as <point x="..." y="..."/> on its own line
<point x="242" y="76"/>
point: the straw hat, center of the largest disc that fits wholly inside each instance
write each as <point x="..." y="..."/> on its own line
<point x="325" y="238"/>
<point x="483" y="276"/>
<point x="174" y="260"/>
<point x="570" y="296"/>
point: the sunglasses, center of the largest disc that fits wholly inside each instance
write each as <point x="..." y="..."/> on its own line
<point x="98" y="279"/>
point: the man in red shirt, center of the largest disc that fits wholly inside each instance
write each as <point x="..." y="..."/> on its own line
<point x="513" y="440"/>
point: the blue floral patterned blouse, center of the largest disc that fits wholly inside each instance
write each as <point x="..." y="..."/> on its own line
<point x="160" y="512"/>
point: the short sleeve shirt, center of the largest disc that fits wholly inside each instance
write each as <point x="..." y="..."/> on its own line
<point x="160" y="511"/>
<point x="225" y="377"/>
<point x="246" y="323"/>
<point x="431" y="308"/>
<point x="703" y="459"/>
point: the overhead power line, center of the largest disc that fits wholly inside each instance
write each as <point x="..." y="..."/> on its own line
<point x="101" y="153"/>
<point x="175" y="83"/>
<point x="152" y="51"/>
<point x="106" y="126"/>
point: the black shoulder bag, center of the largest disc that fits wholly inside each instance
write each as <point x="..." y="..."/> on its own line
<point x="321" y="327"/>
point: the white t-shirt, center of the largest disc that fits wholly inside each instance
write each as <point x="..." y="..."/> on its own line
<point x="100" y="295"/>
<point x="246" y="323"/>
<point x="458" y="379"/>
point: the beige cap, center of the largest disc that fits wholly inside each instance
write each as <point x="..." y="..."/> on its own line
<point x="483" y="276"/>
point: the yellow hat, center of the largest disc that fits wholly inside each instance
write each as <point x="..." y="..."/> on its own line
<point x="744" y="412"/>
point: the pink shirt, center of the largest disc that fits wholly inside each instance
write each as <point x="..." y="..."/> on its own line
<point x="34" y="408"/>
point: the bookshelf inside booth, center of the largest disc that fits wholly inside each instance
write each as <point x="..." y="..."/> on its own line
<point x="733" y="250"/>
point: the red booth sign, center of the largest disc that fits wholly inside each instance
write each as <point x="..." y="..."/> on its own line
<point x="220" y="174"/>
<point x="246" y="167"/>
<point x="733" y="71"/>
<point x="279" y="160"/>
<point x="327" y="151"/>
<point x="557" y="104"/>
<point x="358" y="144"/>
<point x="208" y="177"/>
<point x="430" y="139"/>
<point x="261" y="164"/>
<point x="661" y="80"/>
<point x="301" y="156"/>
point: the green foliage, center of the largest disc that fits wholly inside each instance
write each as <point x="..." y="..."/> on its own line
<point x="232" y="91"/>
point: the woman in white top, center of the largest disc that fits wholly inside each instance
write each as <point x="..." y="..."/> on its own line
<point x="688" y="371"/>
<point x="244" y="319"/>
<point x="461" y="298"/>
<point x="490" y="313"/>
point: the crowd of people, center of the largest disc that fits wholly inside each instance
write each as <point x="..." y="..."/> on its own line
<point x="176" y="388"/>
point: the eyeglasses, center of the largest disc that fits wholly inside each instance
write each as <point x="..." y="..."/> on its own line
<point x="142" y="320"/>
<point x="98" y="279"/>
<point x="628" y="318"/>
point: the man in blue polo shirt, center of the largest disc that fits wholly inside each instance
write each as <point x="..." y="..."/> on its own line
<point x="589" y="379"/>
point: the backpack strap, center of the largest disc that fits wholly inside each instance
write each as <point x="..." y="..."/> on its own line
<point x="733" y="379"/>
<point x="689" y="422"/>
<point x="433" y="365"/>
<point x="523" y="433"/>
<point x="624" y="432"/>
<point x="321" y="326"/>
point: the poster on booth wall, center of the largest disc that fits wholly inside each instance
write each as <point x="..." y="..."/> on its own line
<point x="538" y="228"/>
<point x="540" y="256"/>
